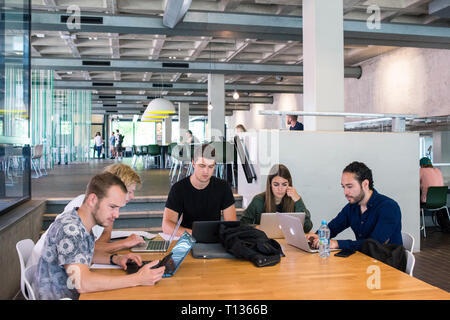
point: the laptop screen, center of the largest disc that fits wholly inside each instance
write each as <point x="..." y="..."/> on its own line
<point x="179" y="252"/>
<point x="176" y="229"/>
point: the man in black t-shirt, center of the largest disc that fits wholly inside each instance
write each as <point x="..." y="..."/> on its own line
<point x="200" y="197"/>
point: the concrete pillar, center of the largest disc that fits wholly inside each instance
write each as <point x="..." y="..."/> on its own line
<point x="167" y="137"/>
<point x="183" y="119"/>
<point x="323" y="63"/>
<point x="216" y="116"/>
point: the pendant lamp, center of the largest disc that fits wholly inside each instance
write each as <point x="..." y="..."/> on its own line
<point x="159" y="106"/>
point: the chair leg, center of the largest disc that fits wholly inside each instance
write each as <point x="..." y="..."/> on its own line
<point x="33" y="165"/>
<point x="423" y="224"/>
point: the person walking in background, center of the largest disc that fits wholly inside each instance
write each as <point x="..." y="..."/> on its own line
<point x="112" y="142"/>
<point x="98" y="141"/>
<point x="118" y="145"/>
<point x="293" y="123"/>
<point x="429" y="177"/>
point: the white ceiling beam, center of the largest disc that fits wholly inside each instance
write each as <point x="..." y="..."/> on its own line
<point x="175" y="11"/>
<point x="158" y="43"/>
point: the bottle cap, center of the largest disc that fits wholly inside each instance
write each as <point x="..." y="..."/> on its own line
<point x="324" y="221"/>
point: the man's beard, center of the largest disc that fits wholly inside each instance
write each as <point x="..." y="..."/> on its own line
<point x="359" y="198"/>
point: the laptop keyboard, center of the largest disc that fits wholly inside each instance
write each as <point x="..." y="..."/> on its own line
<point x="157" y="245"/>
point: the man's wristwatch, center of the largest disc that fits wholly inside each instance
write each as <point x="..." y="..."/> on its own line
<point x="111" y="259"/>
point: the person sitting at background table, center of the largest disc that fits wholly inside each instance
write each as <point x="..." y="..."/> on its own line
<point x="240" y="128"/>
<point x="429" y="177"/>
<point x="280" y="196"/>
<point x="190" y="138"/>
<point x="102" y="235"/>
<point x="199" y="197"/>
<point x="63" y="270"/>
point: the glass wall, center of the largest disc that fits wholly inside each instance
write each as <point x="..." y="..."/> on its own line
<point x="136" y="133"/>
<point x="15" y="184"/>
<point x="72" y="125"/>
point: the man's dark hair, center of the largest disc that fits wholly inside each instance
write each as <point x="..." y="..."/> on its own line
<point x="293" y="117"/>
<point x="100" y="184"/>
<point x="190" y="132"/>
<point x="205" y="151"/>
<point x="361" y="171"/>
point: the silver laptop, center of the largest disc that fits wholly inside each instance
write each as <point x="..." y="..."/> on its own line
<point x="270" y="225"/>
<point x="158" y="245"/>
<point x="294" y="234"/>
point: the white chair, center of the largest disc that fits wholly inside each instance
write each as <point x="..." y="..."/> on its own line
<point x="408" y="241"/>
<point x="24" y="249"/>
<point x="410" y="262"/>
<point x="29" y="275"/>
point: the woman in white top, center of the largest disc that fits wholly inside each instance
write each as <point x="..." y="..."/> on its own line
<point x="98" y="144"/>
<point x="102" y="236"/>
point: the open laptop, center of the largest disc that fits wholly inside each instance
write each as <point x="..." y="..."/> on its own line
<point x="294" y="234"/>
<point x="158" y="245"/>
<point x="270" y="225"/>
<point x="173" y="260"/>
<point x="208" y="244"/>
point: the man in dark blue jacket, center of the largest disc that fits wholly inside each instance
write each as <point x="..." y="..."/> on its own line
<point x="369" y="213"/>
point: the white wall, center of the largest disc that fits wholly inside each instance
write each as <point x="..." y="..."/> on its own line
<point x="316" y="161"/>
<point x="406" y="80"/>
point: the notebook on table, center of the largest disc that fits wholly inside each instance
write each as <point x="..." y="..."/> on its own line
<point x="158" y="245"/>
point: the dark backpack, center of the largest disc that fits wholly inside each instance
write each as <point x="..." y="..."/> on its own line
<point x="391" y="254"/>
<point x="121" y="136"/>
<point x="251" y="244"/>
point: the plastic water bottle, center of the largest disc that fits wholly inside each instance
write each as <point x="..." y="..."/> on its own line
<point x="324" y="240"/>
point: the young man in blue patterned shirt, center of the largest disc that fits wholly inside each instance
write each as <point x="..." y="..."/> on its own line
<point x="63" y="269"/>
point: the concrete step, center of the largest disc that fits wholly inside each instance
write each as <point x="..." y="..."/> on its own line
<point x="130" y="219"/>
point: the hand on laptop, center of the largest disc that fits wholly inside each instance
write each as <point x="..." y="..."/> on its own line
<point x="134" y="240"/>
<point x="313" y="238"/>
<point x="148" y="276"/>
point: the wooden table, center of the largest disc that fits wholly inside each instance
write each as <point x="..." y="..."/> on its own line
<point x="299" y="275"/>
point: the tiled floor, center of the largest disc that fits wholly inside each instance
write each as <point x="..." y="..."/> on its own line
<point x="432" y="262"/>
<point x="71" y="180"/>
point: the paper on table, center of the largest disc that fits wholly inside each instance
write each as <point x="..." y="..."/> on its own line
<point x="104" y="266"/>
<point x="166" y="236"/>
<point x="122" y="234"/>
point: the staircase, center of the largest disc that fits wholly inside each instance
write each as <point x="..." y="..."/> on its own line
<point x="142" y="213"/>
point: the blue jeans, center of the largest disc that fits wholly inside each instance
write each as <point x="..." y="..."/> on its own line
<point x="99" y="151"/>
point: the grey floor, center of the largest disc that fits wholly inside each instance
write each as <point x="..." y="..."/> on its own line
<point x="65" y="181"/>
